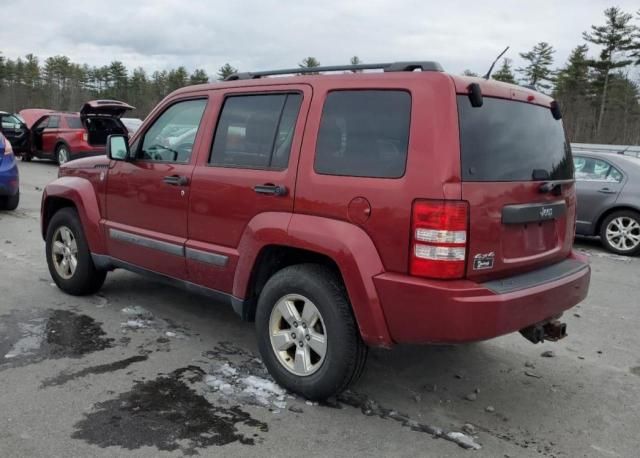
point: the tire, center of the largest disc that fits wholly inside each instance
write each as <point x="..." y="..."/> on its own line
<point x="10" y="202"/>
<point x="26" y="157"/>
<point x="620" y="232"/>
<point x="84" y="278"/>
<point x="345" y="353"/>
<point x="63" y="155"/>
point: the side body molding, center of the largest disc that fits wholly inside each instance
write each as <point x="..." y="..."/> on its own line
<point x="82" y="194"/>
<point x="348" y="245"/>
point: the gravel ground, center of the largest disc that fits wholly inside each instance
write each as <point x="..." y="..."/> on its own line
<point x="142" y="369"/>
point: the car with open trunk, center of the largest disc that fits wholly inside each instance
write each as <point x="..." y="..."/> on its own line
<point x="64" y="136"/>
<point x="337" y="211"/>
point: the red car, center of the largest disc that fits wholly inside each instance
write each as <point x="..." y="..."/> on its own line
<point x="63" y="136"/>
<point x="337" y="211"/>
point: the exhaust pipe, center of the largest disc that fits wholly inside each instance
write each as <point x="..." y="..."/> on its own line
<point x="550" y="330"/>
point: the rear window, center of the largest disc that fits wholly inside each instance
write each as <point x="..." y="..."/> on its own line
<point x="73" y="122"/>
<point x="364" y="134"/>
<point x="256" y="131"/>
<point x="505" y="140"/>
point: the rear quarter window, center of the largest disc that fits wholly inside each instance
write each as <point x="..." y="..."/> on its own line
<point x="73" y="122"/>
<point x="364" y="133"/>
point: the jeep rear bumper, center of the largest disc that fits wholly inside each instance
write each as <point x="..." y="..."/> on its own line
<point x="427" y="311"/>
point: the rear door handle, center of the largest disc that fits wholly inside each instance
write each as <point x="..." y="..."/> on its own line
<point x="607" y="191"/>
<point x="270" y="189"/>
<point x="176" y="180"/>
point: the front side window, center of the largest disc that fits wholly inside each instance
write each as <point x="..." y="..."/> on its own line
<point x="170" y="138"/>
<point x="591" y="169"/>
<point x="256" y="131"/>
<point x="10" y="122"/>
<point x="364" y="134"/>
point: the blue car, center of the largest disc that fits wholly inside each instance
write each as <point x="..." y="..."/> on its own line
<point x="9" y="180"/>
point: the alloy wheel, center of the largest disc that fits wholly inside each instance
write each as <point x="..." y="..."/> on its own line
<point x="623" y="233"/>
<point x="298" y="335"/>
<point x="64" y="252"/>
<point x="63" y="155"/>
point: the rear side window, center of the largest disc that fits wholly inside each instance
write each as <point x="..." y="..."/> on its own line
<point x="364" y="134"/>
<point x="73" y="122"/>
<point x="54" y="122"/>
<point x="256" y="131"/>
<point x="505" y="140"/>
<point x="591" y="169"/>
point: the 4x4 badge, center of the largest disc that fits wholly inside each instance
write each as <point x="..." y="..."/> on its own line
<point x="483" y="261"/>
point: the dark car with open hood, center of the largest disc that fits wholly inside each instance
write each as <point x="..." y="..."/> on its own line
<point x="63" y="136"/>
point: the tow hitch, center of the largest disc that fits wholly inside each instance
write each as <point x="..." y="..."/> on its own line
<point x="550" y="330"/>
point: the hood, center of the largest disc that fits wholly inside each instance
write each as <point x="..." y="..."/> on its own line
<point x="32" y="115"/>
<point x="93" y="162"/>
<point x="113" y="108"/>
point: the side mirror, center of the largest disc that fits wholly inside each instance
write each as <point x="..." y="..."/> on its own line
<point x="118" y="147"/>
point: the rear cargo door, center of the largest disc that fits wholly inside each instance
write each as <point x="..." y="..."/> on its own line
<point x="517" y="174"/>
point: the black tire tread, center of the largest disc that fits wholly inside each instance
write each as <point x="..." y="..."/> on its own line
<point x="325" y="278"/>
<point x="87" y="279"/>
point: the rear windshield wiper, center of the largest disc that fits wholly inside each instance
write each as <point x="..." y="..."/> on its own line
<point x="552" y="186"/>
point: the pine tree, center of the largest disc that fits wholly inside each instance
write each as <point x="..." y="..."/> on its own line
<point x="537" y="72"/>
<point x="468" y="72"/>
<point x="199" y="76"/>
<point x="615" y="37"/>
<point x="309" y="62"/>
<point x="505" y="73"/>
<point x="355" y="60"/>
<point x="225" y="71"/>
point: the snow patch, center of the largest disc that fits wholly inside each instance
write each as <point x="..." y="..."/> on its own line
<point x="463" y="440"/>
<point x="235" y="385"/>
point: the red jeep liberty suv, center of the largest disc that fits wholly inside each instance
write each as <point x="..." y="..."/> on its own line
<point x="337" y="211"/>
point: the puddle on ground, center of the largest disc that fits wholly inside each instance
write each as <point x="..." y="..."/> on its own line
<point x="168" y="414"/>
<point x="635" y="370"/>
<point x="32" y="336"/>
<point x="68" y="376"/>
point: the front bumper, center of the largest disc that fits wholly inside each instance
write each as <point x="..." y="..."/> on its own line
<point x="427" y="311"/>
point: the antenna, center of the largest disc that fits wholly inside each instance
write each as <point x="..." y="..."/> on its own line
<point x="494" y="63"/>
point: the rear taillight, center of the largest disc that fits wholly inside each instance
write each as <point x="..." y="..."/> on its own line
<point x="439" y="232"/>
<point x="84" y="136"/>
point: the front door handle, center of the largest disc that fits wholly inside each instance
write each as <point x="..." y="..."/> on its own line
<point x="176" y="180"/>
<point x="270" y="189"/>
<point x="607" y="191"/>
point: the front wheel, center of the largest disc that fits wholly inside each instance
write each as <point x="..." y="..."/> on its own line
<point x="620" y="232"/>
<point x="68" y="255"/>
<point x="307" y="335"/>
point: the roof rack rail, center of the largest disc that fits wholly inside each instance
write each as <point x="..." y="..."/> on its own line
<point x="425" y="66"/>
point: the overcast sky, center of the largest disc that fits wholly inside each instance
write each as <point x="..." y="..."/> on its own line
<point x="265" y="34"/>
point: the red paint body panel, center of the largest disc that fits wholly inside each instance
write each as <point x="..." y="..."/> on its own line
<point x="421" y="311"/>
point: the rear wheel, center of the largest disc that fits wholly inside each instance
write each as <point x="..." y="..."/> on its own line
<point x="62" y="154"/>
<point x="307" y="335"/>
<point x="26" y="157"/>
<point x="68" y="255"/>
<point x="620" y="232"/>
<point x="10" y="202"/>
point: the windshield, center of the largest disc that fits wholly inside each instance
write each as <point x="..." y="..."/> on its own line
<point x="505" y="140"/>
